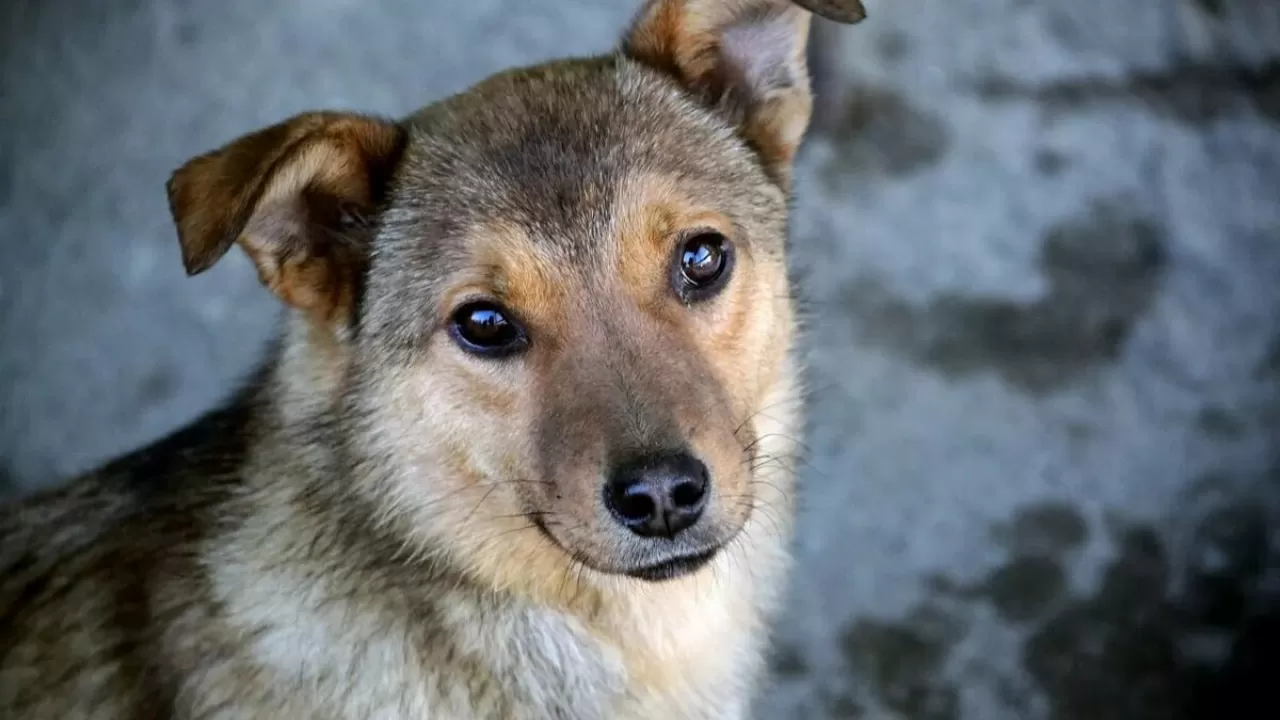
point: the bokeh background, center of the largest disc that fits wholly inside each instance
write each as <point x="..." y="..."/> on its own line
<point x="1040" y="244"/>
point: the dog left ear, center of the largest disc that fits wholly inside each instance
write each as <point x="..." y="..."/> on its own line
<point x="745" y="58"/>
<point x="297" y="198"/>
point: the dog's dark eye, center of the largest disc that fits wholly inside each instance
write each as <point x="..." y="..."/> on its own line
<point x="485" y="328"/>
<point x="702" y="264"/>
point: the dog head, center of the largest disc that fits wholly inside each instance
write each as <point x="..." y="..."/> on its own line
<point x="548" y="312"/>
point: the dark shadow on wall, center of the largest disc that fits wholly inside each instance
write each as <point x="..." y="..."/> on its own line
<point x="1155" y="640"/>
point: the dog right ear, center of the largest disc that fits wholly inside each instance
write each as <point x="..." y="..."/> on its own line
<point x="746" y="59"/>
<point x="296" y="197"/>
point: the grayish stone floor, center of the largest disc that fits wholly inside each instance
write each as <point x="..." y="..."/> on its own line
<point x="1040" y="242"/>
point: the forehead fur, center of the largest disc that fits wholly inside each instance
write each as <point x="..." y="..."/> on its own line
<point x="542" y="154"/>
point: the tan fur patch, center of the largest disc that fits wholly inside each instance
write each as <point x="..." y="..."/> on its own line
<point x="525" y="276"/>
<point x="653" y="216"/>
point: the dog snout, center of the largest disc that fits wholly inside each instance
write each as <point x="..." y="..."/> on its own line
<point x="658" y="495"/>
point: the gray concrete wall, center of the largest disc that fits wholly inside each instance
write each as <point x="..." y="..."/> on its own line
<point x="1040" y="241"/>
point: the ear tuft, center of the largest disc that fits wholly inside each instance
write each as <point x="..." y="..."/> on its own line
<point x="287" y="194"/>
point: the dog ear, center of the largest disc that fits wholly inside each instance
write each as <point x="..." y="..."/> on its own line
<point x="745" y="58"/>
<point x="296" y="196"/>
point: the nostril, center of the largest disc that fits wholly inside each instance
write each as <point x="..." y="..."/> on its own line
<point x="634" y="502"/>
<point x="689" y="494"/>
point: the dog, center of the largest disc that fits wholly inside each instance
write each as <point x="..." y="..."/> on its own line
<point x="524" y="445"/>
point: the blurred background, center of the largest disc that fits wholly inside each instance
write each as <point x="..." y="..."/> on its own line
<point x="1040" y="243"/>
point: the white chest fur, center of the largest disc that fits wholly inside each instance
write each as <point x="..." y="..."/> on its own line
<point x="690" y="650"/>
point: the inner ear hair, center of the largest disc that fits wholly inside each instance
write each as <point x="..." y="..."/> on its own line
<point x="744" y="58"/>
<point x="299" y="198"/>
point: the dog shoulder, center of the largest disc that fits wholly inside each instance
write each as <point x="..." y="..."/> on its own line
<point x="91" y="572"/>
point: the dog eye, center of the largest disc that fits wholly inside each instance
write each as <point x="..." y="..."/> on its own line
<point x="702" y="265"/>
<point x="485" y="328"/>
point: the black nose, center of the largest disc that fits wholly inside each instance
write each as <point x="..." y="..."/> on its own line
<point x="658" y="495"/>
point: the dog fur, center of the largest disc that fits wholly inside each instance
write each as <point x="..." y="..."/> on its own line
<point x="380" y="525"/>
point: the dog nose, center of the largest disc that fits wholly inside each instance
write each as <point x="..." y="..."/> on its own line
<point x="658" y="495"/>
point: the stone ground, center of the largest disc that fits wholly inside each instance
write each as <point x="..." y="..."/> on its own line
<point x="1040" y="241"/>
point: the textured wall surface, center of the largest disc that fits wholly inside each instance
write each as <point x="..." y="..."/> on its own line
<point x="1040" y="240"/>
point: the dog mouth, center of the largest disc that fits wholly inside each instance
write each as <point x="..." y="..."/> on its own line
<point x="674" y="568"/>
<point x="667" y="569"/>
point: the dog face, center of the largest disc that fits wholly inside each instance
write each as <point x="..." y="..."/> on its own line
<point x="547" y="311"/>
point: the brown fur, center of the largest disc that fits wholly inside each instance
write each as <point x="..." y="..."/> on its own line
<point x="383" y="526"/>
